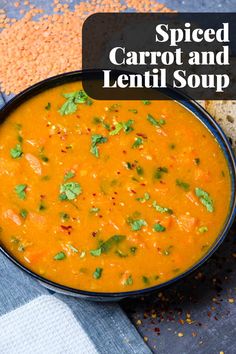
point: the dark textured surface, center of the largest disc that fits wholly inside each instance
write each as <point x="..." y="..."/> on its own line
<point x="197" y="315"/>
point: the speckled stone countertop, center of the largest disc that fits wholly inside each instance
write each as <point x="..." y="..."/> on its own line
<point x="198" y="314"/>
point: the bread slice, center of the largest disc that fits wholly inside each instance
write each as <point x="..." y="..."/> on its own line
<point x="224" y="113"/>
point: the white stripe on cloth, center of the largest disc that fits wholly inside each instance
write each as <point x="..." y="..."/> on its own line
<point x="45" y="325"/>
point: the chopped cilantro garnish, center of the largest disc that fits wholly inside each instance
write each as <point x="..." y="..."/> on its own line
<point x="133" y="250"/>
<point x="129" y="281"/>
<point x="128" y="165"/>
<point x="139" y="170"/>
<point x="158" y="227"/>
<point x="74" y="98"/>
<point x="154" y="121"/>
<point x="133" y="111"/>
<point x="143" y="199"/>
<point x="16" y="152"/>
<point x="138" y="141"/>
<point x="23" y="213"/>
<point x="59" y="256"/>
<point x="107" y="245"/>
<point x="126" y="126"/>
<point x="20" y="190"/>
<point x="158" y="174"/>
<point x="182" y="184"/>
<point x="167" y="251"/>
<point x="69" y="175"/>
<point x="146" y="102"/>
<point x="98" y="273"/>
<point x="64" y="216"/>
<point x="202" y="229"/>
<point x="114" y="107"/>
<point x="48" y="106"/>
<point x="136" y="224"/>
<point x="205" y="199"/>
<point x="42" y="206"/>
<point x="145" y="279"/>
<point x="70" y="190"/>
<point x="97" y="139"/>
<point x="161" y="209"/>
<point x="20" y="139"/>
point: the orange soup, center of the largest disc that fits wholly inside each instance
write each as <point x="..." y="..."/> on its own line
<point x="109" y="196"/>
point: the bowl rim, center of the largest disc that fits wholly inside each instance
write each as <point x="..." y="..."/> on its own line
<point x="201" y="114"/>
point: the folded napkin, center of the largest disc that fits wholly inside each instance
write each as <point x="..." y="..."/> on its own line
<point x="36" y="320"/>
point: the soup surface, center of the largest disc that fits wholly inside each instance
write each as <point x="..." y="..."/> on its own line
<point x="109" y="196"/>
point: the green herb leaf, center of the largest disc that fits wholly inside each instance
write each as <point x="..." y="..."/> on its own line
<point x="106" y="246"/>
<point x="167" y="251"/>
<point x="59" y="256"/>
<point x="48" y="106"/>
<point x="129" y="280"/>
<point x="16" y="152"/>
<point x="69" y="175"/>
<point x="158" y="227"/>
<point x="42" y="206"/>
<point x="138" y="141"/>
<point x="133" y="111"/>
<point x="146" y="197"/>
<point x="145" y="279"/>
<point x="139" y="170"/>
<point x="146" y="102"/>
<point x="185" y="186"/>
<point x="158" y="174"/>
<point x="114" y="107"/>
<point x="20" y="190"/>
<point x="74" y="98"/>
<point x="70" y="190"/>
<point x="97" y="139"/>
<point x="205" y="199"/>
<point x="161" y="209"/>
<point x="64" y="216"/>
<point x="98" y="273"/>
<point x="133" y="250"/>
<point x="203" y="229"/>
<point x="126" y="126"/>
<point x="136" y="224"/>
<point x="23" y="213"/>
<point x="154" y="121"/>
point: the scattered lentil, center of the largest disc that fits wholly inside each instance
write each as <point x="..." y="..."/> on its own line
<point x="37" y="49"/>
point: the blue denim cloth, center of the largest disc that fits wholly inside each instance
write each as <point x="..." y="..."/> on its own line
<point x="105" y="323"/>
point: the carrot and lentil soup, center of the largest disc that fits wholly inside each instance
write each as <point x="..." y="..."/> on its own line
<point x="109" y="196"/>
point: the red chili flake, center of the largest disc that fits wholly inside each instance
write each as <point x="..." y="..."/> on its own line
<point x="142" y="135"/>
<point x="143" y="184"/>
<point x="67" y="228"/>
<point x="42" y="196"/>
<point x="94" y="194"/>
<point x="124" y="152"/>
<point x="63" y="151"/>
<point x="114" y="204"/>
<point x="115" y="193"/>
<point x="94" y="233"/>
<point x="118" y="172"/>
<point x="100" y="216"/>
<point x="89" y="130"/>
<point x="132" y="191"/>
<point x="59" y="132"/>
<point x="113" y="198"/>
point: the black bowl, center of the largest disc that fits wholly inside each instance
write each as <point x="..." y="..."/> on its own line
<point x="200" y="114"/>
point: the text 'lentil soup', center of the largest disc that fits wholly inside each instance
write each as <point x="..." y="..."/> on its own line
<point x="107" y="195"/>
